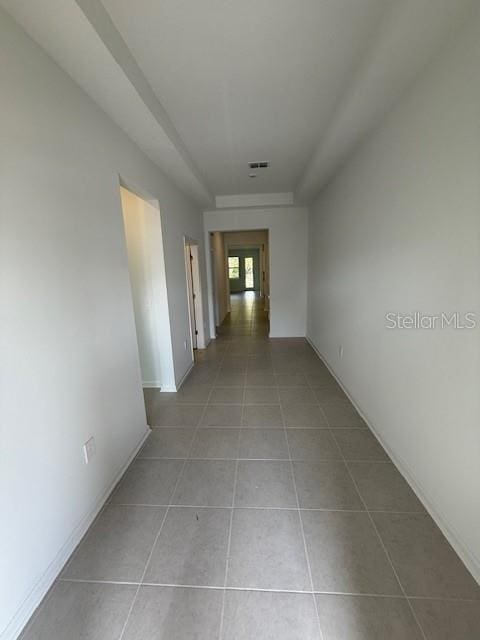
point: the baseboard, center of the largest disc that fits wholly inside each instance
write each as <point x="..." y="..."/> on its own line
<point x="161" y="388"/>
<point x="471" y="562"/>
<point x="155" y="384"/>
<point x="43" y="585"/>
<point x="185" y="376"/>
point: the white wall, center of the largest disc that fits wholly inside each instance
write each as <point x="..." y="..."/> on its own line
<point x="69" y="363"/>
<point x="287" y="233"/>
<point x="219" y="277"/>
<point x="146" y="266"/>
<point x="398" y="230"/>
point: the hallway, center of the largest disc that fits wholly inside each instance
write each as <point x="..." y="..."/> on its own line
<point x="261" y="507"/>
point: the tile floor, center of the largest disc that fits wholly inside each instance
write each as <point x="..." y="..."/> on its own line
<point x="261" y="507"/>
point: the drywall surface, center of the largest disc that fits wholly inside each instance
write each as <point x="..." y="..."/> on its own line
<point x="287" y="239"/>
<point x="69" y="366"/>
<point x="398" y="231"/>
<point x="146" y="266"/>
<point x="219" y="278"/>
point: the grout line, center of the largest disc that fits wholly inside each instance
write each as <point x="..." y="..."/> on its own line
<point x="229" y="542"/>
<point x="180" y="475"/>
<point x="247" y="588"/>
<point x="262" y="508"/>
<point x="369" y="514"/>
<point x="230" y="527"/>
<point x="311" y="460"/>
<point x="305" y="550"/>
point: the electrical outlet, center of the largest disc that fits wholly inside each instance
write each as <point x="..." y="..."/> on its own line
<point x="89" y="449"/>
<point x="340" y="351"/>
<point x="185" y="344"/>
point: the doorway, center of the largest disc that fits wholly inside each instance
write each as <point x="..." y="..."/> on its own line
<point x="194" y="295"/>
<point x="239" y="263"/>
<point x="244" y="269"/>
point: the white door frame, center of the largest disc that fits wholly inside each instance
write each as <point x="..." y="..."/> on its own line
<point x="194" y="293"/>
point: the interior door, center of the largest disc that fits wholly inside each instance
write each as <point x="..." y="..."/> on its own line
<point x="249" y="273"/>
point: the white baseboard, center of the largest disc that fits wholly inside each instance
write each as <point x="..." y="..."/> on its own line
<point x="468" y="558"/>
<point x="155" y="384"/>
<point x="41" y="588"/>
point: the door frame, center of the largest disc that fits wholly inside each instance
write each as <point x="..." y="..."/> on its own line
<point x="194" y="293"/>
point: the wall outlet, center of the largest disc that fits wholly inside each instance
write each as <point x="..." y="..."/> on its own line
<point x="340" y="351"/>
<point x="89" y="449"/>
<point x="185" y="344"/>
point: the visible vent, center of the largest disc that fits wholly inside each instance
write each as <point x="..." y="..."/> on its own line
<point x="260" y="164"/>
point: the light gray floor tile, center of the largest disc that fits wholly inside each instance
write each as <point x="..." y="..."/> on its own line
<point x="261" y="379"/>
<point x="322" y="377"/>
<point x="83" y="611"/>
<point x="312" y="444"/>
<point x="259" y="367"/>
<point x="330" y="394"/>
<point x="359" y="444"/>
<point x="148" y="482"/>
<point x="325" y="485"/>
<point x="118" y="544"/>
<point x="342" y="414"/>
<point x="204" y="375"/>
<point x="176" y="415"/>
<point x="206" y="483"/>
<point x="346" y="555"/>
<point x="383" y="488"/>
<point x="222" y="416"/>
<point x="264" y="484"/>
<point x="291" y="380"/>
<point x="216" y="443"/>
<point x="424" y="561"/>
<point x="263" y="443"/>
<point x="167" y="443"/>
<point x="366" y="618"/>
<point x="257" y="615"/>
<point x="261" y="395"/>
<point x="172" y="613"/>
<point x="232" y="379"/>
<point x="226" y="395"/>
<point x="448" y="620"/>
<point x="192" y="548"/>
<point x="297" y="395"/>
<point x="262" y="415"/>
<point x="189" y="393"/>
<point x="267" y="550"/>
<point x="304" y="416"/>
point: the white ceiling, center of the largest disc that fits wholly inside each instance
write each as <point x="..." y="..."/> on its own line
<point x="204" y="86"/>
<point x="248" y="79"/>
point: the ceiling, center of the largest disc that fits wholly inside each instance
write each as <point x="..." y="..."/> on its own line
<point x="205" y="86"/>
<point x="248" y="79"/>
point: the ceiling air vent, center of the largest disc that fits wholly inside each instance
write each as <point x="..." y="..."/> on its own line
<point x="263" y="164"/>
